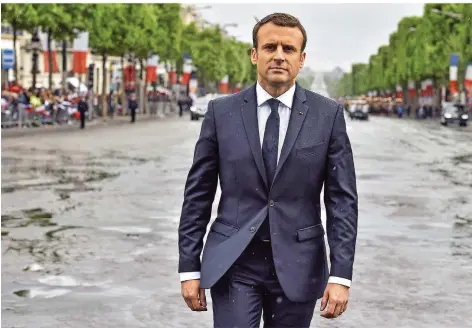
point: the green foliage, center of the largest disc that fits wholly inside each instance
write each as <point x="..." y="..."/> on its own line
<point x="143" y="29"/>
<point x="19" y="16"/>
<point x="419" y="49"/>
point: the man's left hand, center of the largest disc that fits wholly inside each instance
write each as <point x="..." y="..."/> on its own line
<point x="335" y="299"/>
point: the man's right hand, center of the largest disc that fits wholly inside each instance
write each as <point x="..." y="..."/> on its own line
<point x="193" y="295"/>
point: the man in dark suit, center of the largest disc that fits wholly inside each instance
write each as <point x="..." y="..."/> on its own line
<point x="82" y="107"/>
<point x="133" y="106"/>
<point x="273" y="146"/>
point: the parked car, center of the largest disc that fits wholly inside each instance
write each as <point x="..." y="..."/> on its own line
<point x="200" y="106"/>
<point x="359" y="110"/>
<point x="454" y="113"/>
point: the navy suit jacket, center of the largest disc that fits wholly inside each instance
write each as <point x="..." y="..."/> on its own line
<point x="316" y="151"/>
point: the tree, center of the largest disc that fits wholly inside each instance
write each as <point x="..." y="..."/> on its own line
<point x="235" y="66"/>
<point x="19" y="17"/>
<point x="209" y="55"/>
<point x="102" y="28"/>
<point x="169" y="32"/>
<point x="56" y="20"/>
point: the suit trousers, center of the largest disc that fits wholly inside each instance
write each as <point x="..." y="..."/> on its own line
<point x="250" y="290"/>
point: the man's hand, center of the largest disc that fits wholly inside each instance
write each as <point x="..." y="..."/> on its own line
<point x="193" y="295"/>
<point x="334" y="300"/>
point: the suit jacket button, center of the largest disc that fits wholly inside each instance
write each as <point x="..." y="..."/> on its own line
<point x="253" y="229"/>
<point x="271" y="203"/>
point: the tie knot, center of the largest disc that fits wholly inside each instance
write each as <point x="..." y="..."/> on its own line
<point x="274" y="104"/>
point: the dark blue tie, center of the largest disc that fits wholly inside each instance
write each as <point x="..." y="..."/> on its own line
<point x="270" y="145"/>
<point x="270" y="148"/>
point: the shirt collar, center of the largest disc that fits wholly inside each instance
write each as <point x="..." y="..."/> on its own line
<point x="286" y="98"/>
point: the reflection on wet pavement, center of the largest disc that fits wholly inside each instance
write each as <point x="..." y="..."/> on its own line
<point x="89" y="235"/>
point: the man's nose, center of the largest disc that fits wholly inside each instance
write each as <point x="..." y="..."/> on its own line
<point x="279" y="54"/>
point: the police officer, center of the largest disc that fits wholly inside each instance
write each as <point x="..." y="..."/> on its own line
<point x="82" y="107"/>
<point x="133" y="106"/>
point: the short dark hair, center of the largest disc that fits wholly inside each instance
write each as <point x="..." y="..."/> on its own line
<point x="279" y="19"/>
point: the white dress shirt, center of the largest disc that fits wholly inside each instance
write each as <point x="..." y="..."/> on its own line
<point x="263" y="112"/>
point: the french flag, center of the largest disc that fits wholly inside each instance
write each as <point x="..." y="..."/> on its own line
<point x="468" y="79"/>
<point x="43" y="37"/>
<point x="80" y="50"/>
<point x="454" y="62"/>
<point x="411" y="89"/>
<point x="223" y="86"/>
<point x="187" y="70"/>
<point x="151" y="68"/>
<point x="172" y="74"/>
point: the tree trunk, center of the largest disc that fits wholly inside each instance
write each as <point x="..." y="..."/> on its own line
<point x="406" y="94"/>
<point x="15" y="66"/>
<point x="124" y="103"/>
<point x="49" y="61"/>
<point x="104" y="86"/>
<point x="64" y="64"/>
<point x="35" y="61"/>
<point x="141" y="86"/>
<point x="146" y="104"/>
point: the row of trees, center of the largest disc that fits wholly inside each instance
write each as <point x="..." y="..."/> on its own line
<point x="141" y="29"/>
<point x="418" y="50"/>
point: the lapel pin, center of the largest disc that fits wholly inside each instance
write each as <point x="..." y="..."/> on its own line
<point x="300" y="113"/>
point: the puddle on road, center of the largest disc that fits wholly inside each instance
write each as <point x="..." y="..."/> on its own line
<point x="460" y="159"/>
<point x="128" y="230"/>
<point x="7" y="190"/>
<point x="33" y="174"/>
<point x="41" y="292"/>
<point x="367" y="176"/>
<point x="35" y="216"/>
<point x="51" y="234"/>
<point x="59" y="281"/>
<point x="49" y="249"/>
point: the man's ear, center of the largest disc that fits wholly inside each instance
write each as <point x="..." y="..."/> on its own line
<point x="254" y="56"/>
<point x="302" y="59"/>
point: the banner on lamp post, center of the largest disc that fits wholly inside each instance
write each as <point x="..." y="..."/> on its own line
<point x="80" y="50"/>
<point x="454" y="62"/>
<point x="43" y="37"/>
<point x="223" y="85"/>
<point x="468" y="81"/>
<point x="151" y="68"/>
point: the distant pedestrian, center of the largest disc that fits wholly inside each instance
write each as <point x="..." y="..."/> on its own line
<point x="82" y="107"/>
<point x="133" y="106"/>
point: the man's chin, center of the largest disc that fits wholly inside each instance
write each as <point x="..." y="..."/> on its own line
<point x="279" y="80"/>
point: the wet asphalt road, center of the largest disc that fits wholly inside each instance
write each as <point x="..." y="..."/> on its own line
<point x="89" y="227"/>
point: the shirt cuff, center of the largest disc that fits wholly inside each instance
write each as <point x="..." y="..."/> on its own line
<point x="340" y="281"/>
<point x="184" y="276"/>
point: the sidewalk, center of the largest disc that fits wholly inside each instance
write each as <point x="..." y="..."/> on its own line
<point x="75" y="126"/>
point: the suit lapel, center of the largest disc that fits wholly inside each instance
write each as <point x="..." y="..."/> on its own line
<point x="249" y="114"/>
<point x="297" y="116"/>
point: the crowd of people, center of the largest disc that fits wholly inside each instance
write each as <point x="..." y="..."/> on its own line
<point x="396" y="107"/>
<point x="28" y="107"/>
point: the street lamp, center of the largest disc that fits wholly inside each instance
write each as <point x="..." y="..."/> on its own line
<point x="35" y="47"/>
<point x="224" y="26"/>
<point x="201" y="8"/>
<point x="229" y="25"/>
<point x="132" y="64"/>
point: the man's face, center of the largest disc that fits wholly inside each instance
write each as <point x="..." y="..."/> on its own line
<point x="278" y="55"/>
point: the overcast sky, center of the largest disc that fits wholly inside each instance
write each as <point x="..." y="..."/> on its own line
<point x="338" y="34"/>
